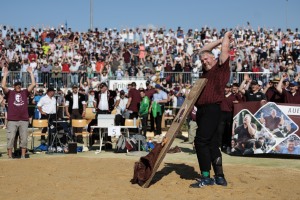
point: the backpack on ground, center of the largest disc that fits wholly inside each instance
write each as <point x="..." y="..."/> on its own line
<point x="121" y="145"/>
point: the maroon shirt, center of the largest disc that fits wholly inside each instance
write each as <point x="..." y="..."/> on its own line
<point x="149" y="93"/>
<point x="227" y="103"/>
<point x="17" y="105"/>
<point x="218" y="77"/>
<point x="289" y="98"/>
<point x="135" y="99"/>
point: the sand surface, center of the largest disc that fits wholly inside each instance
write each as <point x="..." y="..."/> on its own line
<point x="101" y="177"/>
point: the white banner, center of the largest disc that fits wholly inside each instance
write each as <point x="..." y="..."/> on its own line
<point x="290" y="110"/>
<point x="122" y="84"/>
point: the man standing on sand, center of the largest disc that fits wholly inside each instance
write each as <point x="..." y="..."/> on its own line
<point x="217" y="72"/>
<point x="17" y="113"/>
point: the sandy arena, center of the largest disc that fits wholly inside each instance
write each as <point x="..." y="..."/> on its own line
<point x="107" y="176"/>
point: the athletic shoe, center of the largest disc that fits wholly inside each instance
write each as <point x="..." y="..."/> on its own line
<point x="219" y="180"/>
<point x="203" y="181"/>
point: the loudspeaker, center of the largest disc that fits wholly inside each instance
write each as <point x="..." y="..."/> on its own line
<point x="72" y="146"/>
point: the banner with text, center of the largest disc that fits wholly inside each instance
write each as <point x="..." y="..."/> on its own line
<point x="268" y="129"/>
<point x="122" y="84"/>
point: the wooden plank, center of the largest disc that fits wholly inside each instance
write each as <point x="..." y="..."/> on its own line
<point x="178" y="121"/>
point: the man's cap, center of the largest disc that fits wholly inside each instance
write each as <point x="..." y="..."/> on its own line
<point x="74" y="86"/>
<point x="103" y="85"/>
<point x="122" y="92"/>
<point x="254" y="82"/>
<point x="51" y="89"/>
<point x="294" y="83"/>
<point x="41" y="90"/>
<point x="158" y="86"/>
<point x="17" y="83"/>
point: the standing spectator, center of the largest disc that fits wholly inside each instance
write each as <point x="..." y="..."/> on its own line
<point x="121" y="102"/>
<point x="47" y="108"/>
<point x="157" y="107"/>
<point x="45" y="73"/>
<point x="74" y="73"/>
<point x="225" y="125"/>
<point x="56" y="75"/>
<point x="143" y="111"/>
<point x="17" y="115"/>
<point x="23" y="73"/>
<point x="15" y="68"/>
<point x="292" y="95"/>
<point x="253" y="94"/>
<point x="134" y="99"/>
<point x="75" y="108"/>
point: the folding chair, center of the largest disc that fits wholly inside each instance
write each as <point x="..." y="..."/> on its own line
<point x="130" y="122"/>
<point x="38" y="123"/>
<point x="89" y="115"/>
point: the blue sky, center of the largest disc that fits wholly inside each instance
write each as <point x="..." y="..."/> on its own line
<point x="159" y="13"/>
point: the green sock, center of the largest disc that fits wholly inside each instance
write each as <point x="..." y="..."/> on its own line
<point x="205" y="174"/>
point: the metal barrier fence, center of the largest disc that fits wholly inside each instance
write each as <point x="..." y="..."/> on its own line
<point x="68" y="79"/>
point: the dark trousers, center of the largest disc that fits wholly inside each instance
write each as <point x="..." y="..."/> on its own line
<point x="144" y="119"/>
<point x="157" y="121"/>
<point x="119" y="120"/>
<point x="50" y="118"/>
<point x="207" y="137"/>
<point x="151" y="122"/>
<point x="225" y="129"/>
<point x="76" y="115"/>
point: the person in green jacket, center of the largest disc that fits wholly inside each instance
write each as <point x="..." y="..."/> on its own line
<point x="143" y="111"/>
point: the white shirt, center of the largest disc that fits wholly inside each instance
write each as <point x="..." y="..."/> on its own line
<point x="122" y="105"/>
<point x="75" y="102"/>
<point x="48" y="104"/>
<point x="103" y="103"/>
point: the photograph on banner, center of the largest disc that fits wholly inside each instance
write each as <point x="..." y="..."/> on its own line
<point x="249" y="135"/>
<point x="276" y="121"/>
<point x="290" y="145"/>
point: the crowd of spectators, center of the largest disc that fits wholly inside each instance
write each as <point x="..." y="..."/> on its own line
<point x="61" y="57"/>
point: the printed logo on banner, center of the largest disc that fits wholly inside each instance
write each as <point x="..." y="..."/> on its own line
<point x="290" y="145"/>
<point x="276" y="121"/>
<point x="249" y="135"/>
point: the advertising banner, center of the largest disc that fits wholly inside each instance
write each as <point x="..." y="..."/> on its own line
<point x="265" y="129"/>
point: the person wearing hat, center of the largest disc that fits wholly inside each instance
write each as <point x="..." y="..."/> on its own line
<point x="292" y="95"/>
<point x="75" y="106"/>
<point x="226" y="121"/>
<point x="253" y="94"/>
<point x="47" y="108"/>
<point x="104" y="103"/>
<point x="17" y="115"/>
<point x="160" y="98"/>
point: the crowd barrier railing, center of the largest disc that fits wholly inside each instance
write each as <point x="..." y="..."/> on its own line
<point x="49" y="79"/>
